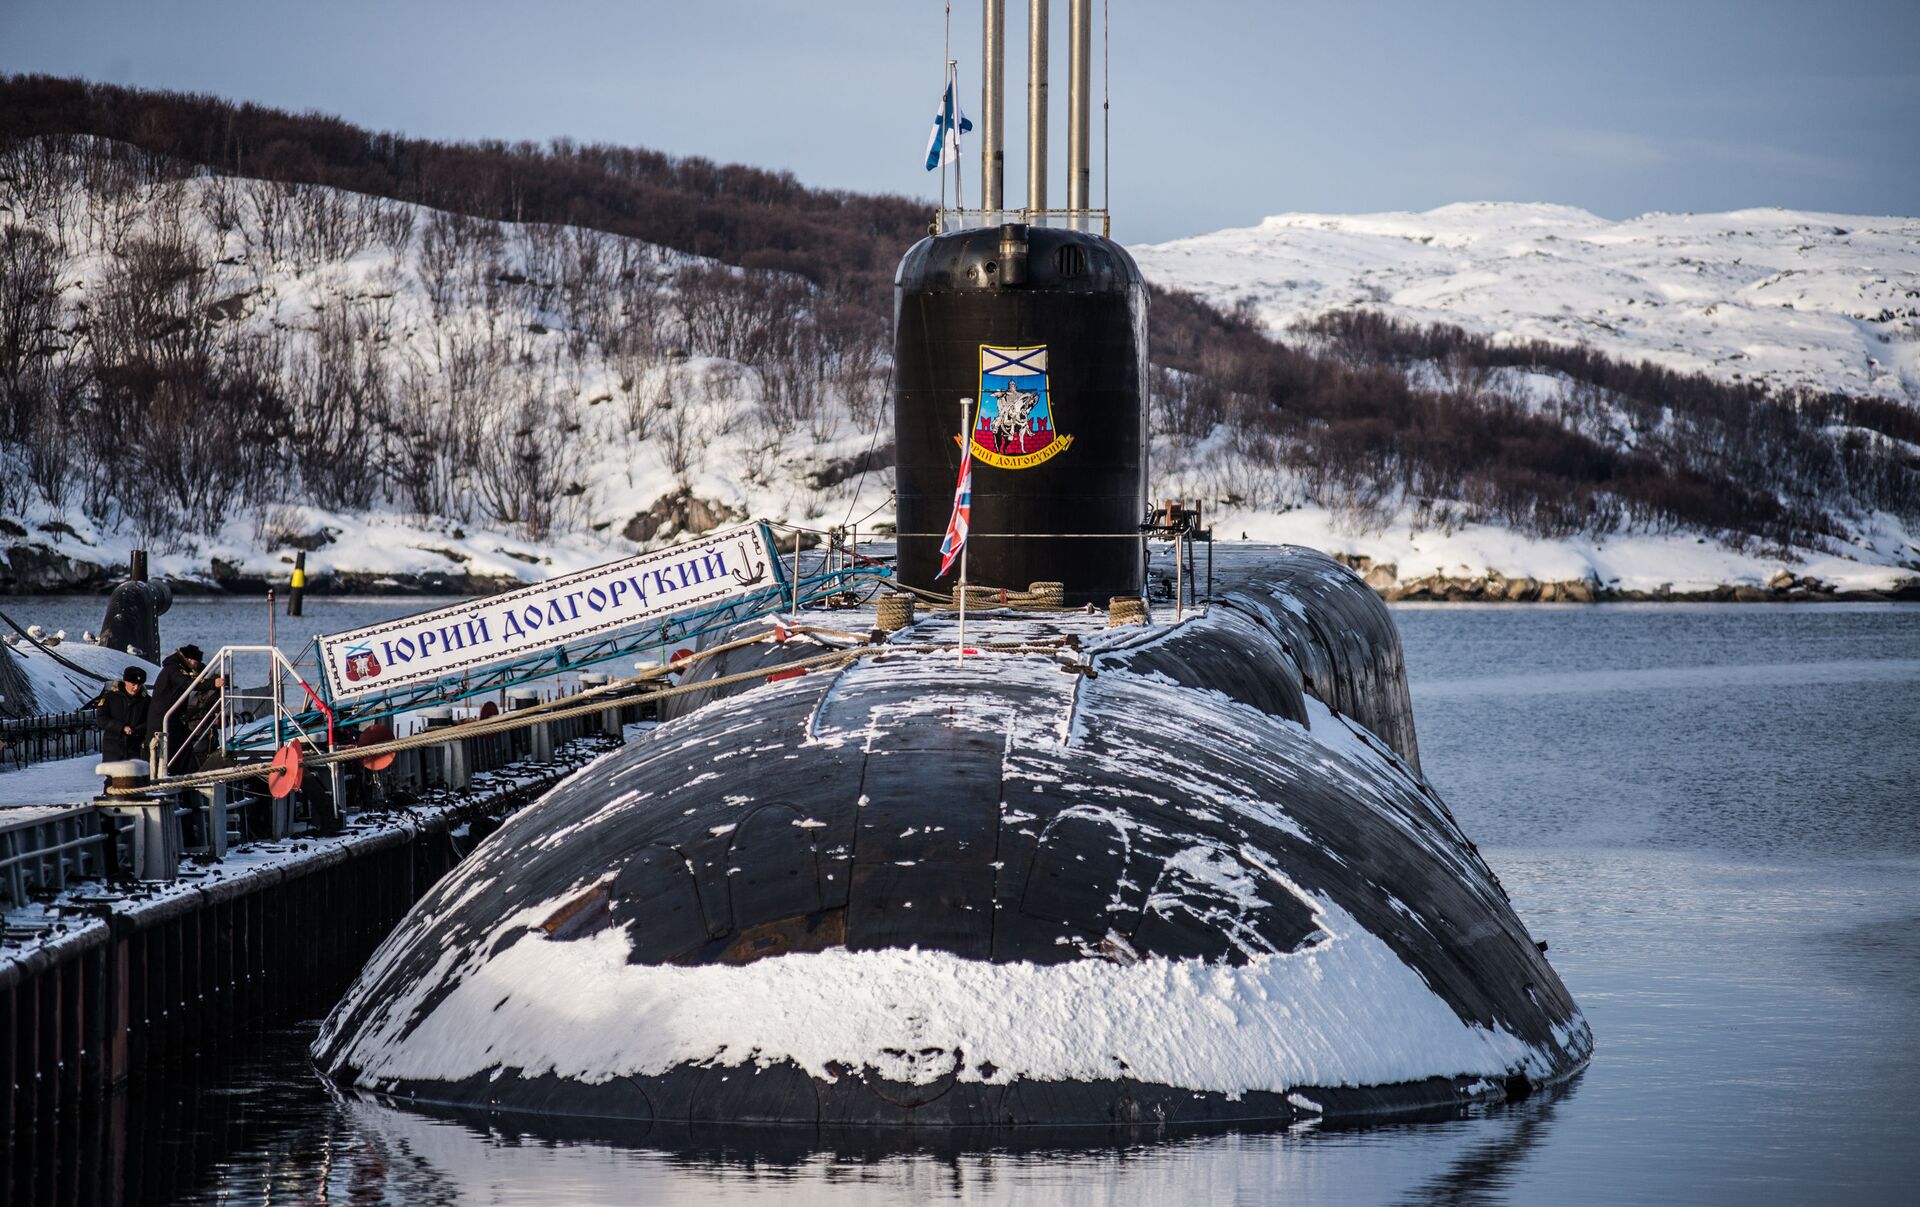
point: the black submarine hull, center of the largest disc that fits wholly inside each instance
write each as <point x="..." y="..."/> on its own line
<point x="1181" y="874"/>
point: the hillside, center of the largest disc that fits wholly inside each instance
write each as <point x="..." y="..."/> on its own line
<point x="296" y="335"/>
<point x="402" y="392"/>
<point x="1801" y="301"/>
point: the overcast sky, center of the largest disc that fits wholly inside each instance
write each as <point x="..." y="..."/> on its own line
<point x="1222" y="112"/>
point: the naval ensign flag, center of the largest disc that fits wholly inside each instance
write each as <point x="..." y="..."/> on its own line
<point x="956" y="538"/>
<point x="943" y="145"/>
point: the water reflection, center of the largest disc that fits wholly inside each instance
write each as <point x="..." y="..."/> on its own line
<point x="260" y="1127"/>
<point x="402" y="1156"/>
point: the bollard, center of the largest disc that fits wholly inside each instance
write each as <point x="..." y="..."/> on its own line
<point x="156" y="829"/>
<point x="326" y="810"/>
<point x="539" y="737"/>
<point x="279" y="810"/>
<point x="453" y="754"/>
<point x="213" y="807"/>
<point x="519" y="741"/>
<point x="609" y="718"/>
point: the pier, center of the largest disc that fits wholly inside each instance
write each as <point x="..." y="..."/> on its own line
<point x="118" y="962"/>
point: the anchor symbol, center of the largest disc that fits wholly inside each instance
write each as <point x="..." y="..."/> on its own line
<point x="758" y="574"/>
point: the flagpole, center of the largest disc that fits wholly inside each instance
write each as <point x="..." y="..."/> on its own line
<point x="946" y="48"/>
<point x="966" y="433"/>
<point x="953" y="90"/>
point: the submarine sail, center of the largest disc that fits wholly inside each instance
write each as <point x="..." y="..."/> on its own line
<point x="1046" y="331"/>
<point x="1180" y="871"/>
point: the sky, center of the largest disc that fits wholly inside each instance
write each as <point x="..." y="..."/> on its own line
<point x="1222" y="113"/>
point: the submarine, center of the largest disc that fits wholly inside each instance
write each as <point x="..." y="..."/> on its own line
<point x="1057" y="862"/>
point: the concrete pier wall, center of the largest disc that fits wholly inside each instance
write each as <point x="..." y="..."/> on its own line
<point x="110" y="981"/>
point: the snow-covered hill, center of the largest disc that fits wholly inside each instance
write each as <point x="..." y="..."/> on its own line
<point x="1797" y="299"/>
<point x="226" y="371"/>
<point x="430" y="398"/>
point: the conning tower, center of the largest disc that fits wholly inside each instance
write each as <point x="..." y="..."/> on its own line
<point x="1041" y="325"/>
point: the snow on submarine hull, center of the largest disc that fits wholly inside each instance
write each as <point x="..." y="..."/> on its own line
<point x="1182" y="873"/>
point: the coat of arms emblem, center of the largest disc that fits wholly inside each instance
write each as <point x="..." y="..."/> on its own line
<point x="361" y="664"/>
<point x="1013" y="427"/>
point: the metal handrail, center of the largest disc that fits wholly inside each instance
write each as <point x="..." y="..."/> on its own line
<point x="221" y="665"/>
<point x="947" y="220"/>
<point x="658" y="633"/>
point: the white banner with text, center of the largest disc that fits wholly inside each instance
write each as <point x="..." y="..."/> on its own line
<point x="433" y="645"/>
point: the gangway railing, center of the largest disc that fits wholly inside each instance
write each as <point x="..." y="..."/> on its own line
<point x="662" y="634"/>
<point x="260" y="714"/>
<point x="1094" y="222"/>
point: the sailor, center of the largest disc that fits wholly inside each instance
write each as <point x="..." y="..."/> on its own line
<point x="175" y="673"/>
<point x="187" y="751"/>
<point x="122" y="715"/>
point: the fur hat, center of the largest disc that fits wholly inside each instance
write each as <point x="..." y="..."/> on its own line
<point x="135" y="675"/>
<point x="192" y="653"/>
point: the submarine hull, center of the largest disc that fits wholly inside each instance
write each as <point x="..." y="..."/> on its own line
<point x="1150" y="874"/>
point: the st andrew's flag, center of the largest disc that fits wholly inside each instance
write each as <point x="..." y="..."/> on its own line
<point x="962" y="518"/>
<point x="943" y="145"/>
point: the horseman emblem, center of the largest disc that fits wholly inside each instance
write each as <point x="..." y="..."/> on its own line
<point x="361" y="664"/>
<point x="1014" y="425"/>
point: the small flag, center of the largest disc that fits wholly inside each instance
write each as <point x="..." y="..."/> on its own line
<point x="943" y="145"/>
<point x="957" y="524"/>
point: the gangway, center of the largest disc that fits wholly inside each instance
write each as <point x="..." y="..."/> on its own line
<point x="788" y="590"/>
<point x="245" y="717"/>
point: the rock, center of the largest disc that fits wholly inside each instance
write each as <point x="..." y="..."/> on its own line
<point x="1382" y="577"/>
<point x="1549" y="592"/>
<point x="306" y="542"/>
<point x="833" y="473"/>
<point x="679" y="513"/>
<point x="41" y="569"/>
<point x="1579" y="590"/>
<point x="1520" y="589"/>
<point x="1780" y="581"/>
<point x="1751" y="595"/>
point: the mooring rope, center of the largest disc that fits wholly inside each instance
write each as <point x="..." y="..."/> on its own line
<point x="594" y="700"/>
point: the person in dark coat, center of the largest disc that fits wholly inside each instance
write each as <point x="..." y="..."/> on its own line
<point x="175" y="673"/>
<point x="187" y="750"/>
<point x="122" y="714"/>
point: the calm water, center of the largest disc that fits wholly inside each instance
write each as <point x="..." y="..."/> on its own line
<point x="1709" y="812"/>
<point x="211" y="621"/>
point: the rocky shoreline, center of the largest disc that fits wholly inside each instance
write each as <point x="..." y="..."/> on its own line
<point x="1492" y="586"/>
<point x="39" y="569"/>
<point x="43" y="570"/>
